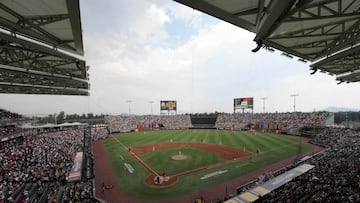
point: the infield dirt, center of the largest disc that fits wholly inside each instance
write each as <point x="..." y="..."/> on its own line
<point x="226" y="152"/>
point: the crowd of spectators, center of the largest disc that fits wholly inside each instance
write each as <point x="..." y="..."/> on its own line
<point x="10" y="130"/>
<point x="36" y="167"/>
<point x="281" y="121"/>
<point x="335" y="177"/>
<point x="287" y="121"/>
<point x="76" y="192"/>
<point x="8" y="123"/>
<point x="88" y="169"/>
<point x="8" y="115"/>
<point x="99" y="132"/>
<point x="81" y="191"/>
<point x="128" y="123"/>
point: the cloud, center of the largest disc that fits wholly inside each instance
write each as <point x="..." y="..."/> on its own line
<point x="179" y="12"/>
<point x="151" y="72"/>
<point x="148" y="27"/>
<point x="161" y="50"/>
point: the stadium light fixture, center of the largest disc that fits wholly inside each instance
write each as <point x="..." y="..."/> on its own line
<point x="294" y="95"/>
<point x="314" y="69"/>
<point x="264" y="98"/>
<point x="287" y="55"/>
<point x="129" y="101"/>
<point x="302" y="60"/>
<point x="258" y="47"/>
<point x="270" y="49"/>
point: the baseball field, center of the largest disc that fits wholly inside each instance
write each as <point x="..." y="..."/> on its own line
<point x="162" y="165"/>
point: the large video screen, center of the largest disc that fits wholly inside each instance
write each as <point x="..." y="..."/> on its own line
<point x="244" y="103"/>
<point x="168" y="105"/>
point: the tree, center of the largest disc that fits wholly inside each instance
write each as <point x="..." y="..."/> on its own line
<point x="90" y="115"/>
<point x="60" y="117"/>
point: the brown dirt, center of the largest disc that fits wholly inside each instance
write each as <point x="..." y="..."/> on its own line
<point x="179" y="157"/>
<point x="169" y="180"/>
<point x="104" y="174"/>
<point x="226" y="152"/>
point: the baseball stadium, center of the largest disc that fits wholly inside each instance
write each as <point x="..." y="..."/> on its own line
<point x="176" y="155"/>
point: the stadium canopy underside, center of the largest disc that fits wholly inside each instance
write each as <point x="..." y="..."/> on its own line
<point x="324" y="32"/>
<point x="41" y="48"/>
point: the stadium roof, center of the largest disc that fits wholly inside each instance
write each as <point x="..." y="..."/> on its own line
<point x="325" y="32"/>
<point x="41" y="48"/>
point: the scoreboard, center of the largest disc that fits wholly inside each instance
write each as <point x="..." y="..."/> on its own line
<point x="168" y="105"/>
<point x="244" y="103"/>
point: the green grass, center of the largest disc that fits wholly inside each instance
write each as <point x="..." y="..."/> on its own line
<point x="273" y="148"/>
<point x="162" y="162"/>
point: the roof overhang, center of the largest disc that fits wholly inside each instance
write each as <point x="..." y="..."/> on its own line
<point x="56" y="23"/>
<point x="41" y="48"/>
<point x="311" y="30"/>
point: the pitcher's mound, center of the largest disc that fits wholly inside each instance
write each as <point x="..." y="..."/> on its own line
<point x="179" y="157"/>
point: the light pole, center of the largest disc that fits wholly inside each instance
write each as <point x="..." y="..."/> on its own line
<point x="129" y="101"/>
<point x="294" y="95"/>
<point x="264" y="98"/>
<point x="151" y="102"/>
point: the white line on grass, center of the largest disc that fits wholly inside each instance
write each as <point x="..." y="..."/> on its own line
<point x="240" y="165"/>
<point x="136" y="157"/>
<point x="120" y="143"/>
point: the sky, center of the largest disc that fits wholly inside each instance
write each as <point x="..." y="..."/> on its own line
<point x="143" y="51"/>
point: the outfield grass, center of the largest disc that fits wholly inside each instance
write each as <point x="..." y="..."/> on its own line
<point x="272" y="148"/>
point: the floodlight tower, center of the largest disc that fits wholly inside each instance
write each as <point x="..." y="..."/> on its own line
<point x="264" y="98"/>
<point x="129" y="101"/>
<point x="294" y="95"/>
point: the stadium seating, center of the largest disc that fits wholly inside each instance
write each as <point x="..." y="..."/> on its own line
<point x="128" y="123"/>
<point x="35" y="168"/>
<point x="290" y="122"/>
<point x="335" y="177"/>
